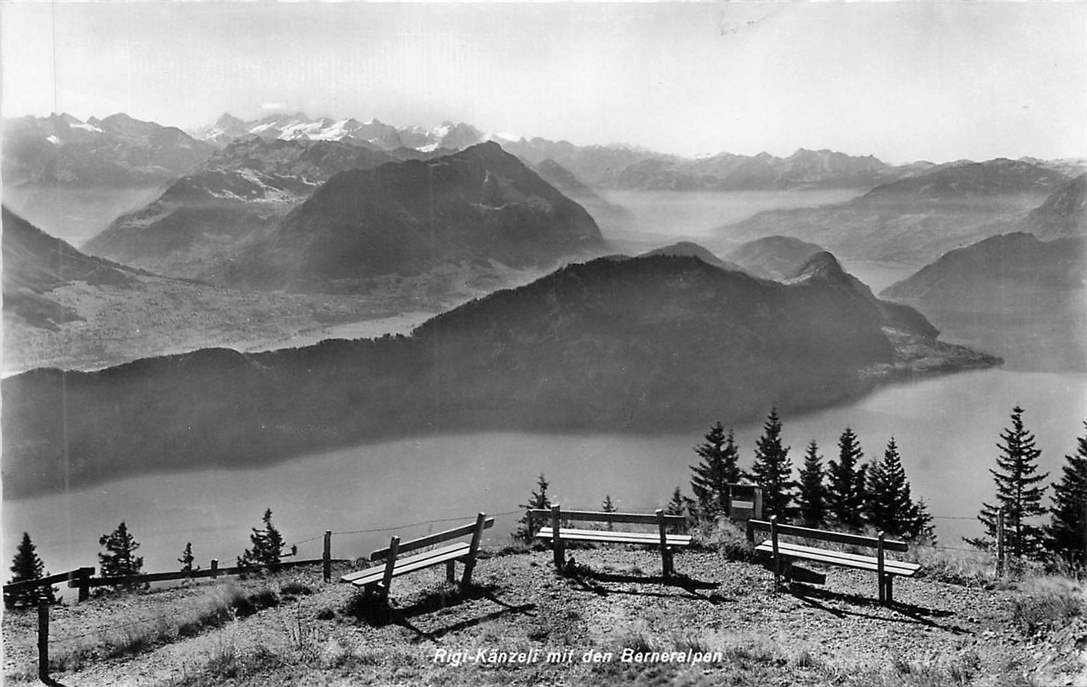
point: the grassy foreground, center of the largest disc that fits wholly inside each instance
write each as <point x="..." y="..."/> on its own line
<point x="610" y="619"/>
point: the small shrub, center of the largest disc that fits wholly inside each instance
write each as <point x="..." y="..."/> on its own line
<point x="295" y="589"/>
<point x="1046" y="603"/>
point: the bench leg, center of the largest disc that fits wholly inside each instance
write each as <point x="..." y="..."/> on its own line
<point x="450" y="571"/>
<point x="469" y="568"/>
<point x="881" y="583"/>
<point x="888" y="584"/>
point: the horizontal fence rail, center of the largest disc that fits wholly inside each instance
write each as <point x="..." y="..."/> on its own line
<point x="122" y="580"/>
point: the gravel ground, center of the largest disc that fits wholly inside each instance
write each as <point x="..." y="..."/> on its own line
<point x="834" y="634"/>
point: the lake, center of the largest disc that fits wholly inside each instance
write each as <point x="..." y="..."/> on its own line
<point x="663" y="217"/>
<point x="946" y="428"/>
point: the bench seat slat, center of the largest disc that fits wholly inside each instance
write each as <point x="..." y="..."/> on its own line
<point x="841" y="558"/>
<point x="607" y="536"/>
<point x="426" y="559"/>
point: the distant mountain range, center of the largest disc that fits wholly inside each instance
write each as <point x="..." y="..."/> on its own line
<point x="620" y="344"/>
<point x="299" y="127"/>
<point x="1011" y="270"/>
<point x="202" y="220"/>
<point x="1016" y="293"/>
<point x="73" y="177"/>
<point x="475" y="207"/>
<point x="915" y="219"/>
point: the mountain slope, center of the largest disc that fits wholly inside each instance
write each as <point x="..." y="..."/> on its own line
<point x="72" y="177"/>
<point x="36" y="263"/>
<point x="199" y="223"/>
<point x="773" y="257"/>
<point x="633" y="345"/>
<point x="608" y="215"/>
<point x="474" y="207"/>
<point x="918" y="218"/>
<point x="999" y="274"/>
<point x="1063" y="214"/>
<point x="690" y="249"/>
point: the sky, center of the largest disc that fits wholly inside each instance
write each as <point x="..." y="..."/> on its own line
<point x="903" y="81"/>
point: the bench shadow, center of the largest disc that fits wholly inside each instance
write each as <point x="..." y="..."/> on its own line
<point x="374" y="612"/>
<point x="812" y="596"/>
<point x="593" y="581"/>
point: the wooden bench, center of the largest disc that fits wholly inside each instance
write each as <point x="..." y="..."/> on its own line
<point x="660" y="537"/>
<point x="783" y="553"/>
<point x="379" y="577"/>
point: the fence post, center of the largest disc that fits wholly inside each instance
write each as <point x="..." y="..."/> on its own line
<point x="879" y="570"/>
<point x="214" y="567"/>
<point x="1000" y="562"/>
<point x="327" y="556"/>
<point x="43" y="641"/>
<point x="777" y="555"/>
<point x="556" y="538"/>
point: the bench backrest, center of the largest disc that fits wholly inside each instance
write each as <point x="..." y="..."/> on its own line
<point x="602" y="516"/>
<point x="826" y="535"/>
<point x="475" y="528"/>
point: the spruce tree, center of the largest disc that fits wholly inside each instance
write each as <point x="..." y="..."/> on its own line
<point x="27" y="566"/>
<point x="1017" y="492"/>
<point x="119" y="557"/>
<point x="608" y="507"/>
<point x="811" y="501"/>
<point x="845" y="483"/>
<point x="187" y="558"/>
<point x="678" y="504"/>
<point x="1066" y="534"/>
<point x="538" y="500"/>
<point x="772" y="470"/>
<point x="267" y="545"/>
<point x="715" y="472"/>
<point x="888" y="504"/>
<point x="921" y="523"/>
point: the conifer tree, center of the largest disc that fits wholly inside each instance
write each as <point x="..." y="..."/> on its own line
<point x="811" y="501"/>
<point x="715" y="472"/>
<point x="889" y="506"/>
<point x="1066" y="534"/>
<point x="267" y="545"/>
<point x="772" y="470"/>
<point x="538" y="500"/>
<point x="921" y="523"/>
<point x="1017" y="492"/>
<point x="845" y="482"/>
<point x="678" y="504"/>
<point x="186" y="559"/>
<point x="608" y="507"/>
<point x="119" y="558"/>
<point x="27" y="566"/>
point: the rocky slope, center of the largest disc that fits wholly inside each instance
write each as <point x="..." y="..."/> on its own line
<point x="635" y="345"/>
